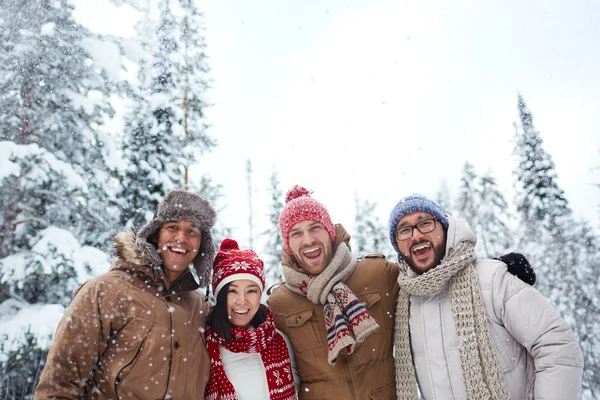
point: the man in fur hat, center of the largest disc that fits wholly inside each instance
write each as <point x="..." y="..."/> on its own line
<point x="467" y="328"/>
<point x="137" y="331"/>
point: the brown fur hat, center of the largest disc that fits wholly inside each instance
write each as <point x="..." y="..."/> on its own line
<point x="178" y="205"/>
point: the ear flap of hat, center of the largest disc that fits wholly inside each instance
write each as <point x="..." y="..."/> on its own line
<point x="148" y="250"/>
<point x="203" y="262"/>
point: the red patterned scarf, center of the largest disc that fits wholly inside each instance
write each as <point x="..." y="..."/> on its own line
<point x="273" y="352"/>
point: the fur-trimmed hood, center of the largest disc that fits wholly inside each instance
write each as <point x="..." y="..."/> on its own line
<point x="133" y="260"/>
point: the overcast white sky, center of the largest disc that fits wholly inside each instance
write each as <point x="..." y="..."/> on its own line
<point x="389" y="98"/>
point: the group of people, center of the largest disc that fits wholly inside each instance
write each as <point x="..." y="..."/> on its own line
<point x="440" y="323"/>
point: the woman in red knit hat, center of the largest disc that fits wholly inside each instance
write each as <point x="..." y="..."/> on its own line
<point x="250" y="358"/>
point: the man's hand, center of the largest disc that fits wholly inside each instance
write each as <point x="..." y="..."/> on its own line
<point x="519" y="266"/>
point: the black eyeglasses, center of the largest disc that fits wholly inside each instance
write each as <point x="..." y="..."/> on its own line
<point x="406" y="232"/>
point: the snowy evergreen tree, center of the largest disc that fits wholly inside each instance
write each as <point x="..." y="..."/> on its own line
<point x="55" y="180"/>
<point x="444" y="199"/>
<point x="274" y="242"/>
<point x="369" y="234"/>
<point x="467" y="205"/>
<point x="562" y="250"/>
<point x="481" y="204"/>
<point x="165" y="132"/>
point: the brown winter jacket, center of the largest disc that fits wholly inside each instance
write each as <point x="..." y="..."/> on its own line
<point x="127" y="335"/>
<point x="368" y="373"/>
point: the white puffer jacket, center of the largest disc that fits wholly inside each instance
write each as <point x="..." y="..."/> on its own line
<point x="537" y="350"/>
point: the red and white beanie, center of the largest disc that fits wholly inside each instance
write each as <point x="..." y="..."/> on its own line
<point x="299" y="206"/>
<point x="232" y="264"/>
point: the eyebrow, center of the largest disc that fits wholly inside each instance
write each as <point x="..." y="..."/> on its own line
<point x="253" y="285"/>
<point x="420" y="217"/>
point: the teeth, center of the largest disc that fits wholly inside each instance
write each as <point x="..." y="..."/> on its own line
<point x="311" y="250"/>
<point x="178" y="250"/>
<point x="245" y="311"/>
<point x="421" y="247"/>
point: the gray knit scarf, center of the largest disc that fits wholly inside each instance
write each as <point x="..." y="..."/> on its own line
<point x="481" y="372"/>
<point x="347" y="321"/>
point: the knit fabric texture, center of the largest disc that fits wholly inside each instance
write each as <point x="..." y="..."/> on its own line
<point x="301" y="207"/>
<point x="347" y="321"/>
<point x="273" y="352"/>
<point x="480" y="369"/>
<point x="410" y="204"/>
<point x="182" y="205"/>
<point x="232" y="264"/>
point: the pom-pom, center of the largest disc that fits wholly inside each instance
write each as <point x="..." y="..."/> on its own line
<point x="295" y="192"/>
<point x="229" y="244"/>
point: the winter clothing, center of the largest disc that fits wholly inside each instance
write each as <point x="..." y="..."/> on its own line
<point x="246" y="370"/>
<point x="232" y="264"/>
<point x="273" y="352"/>
<point x="518" y="265"/>
<point x="410" y="204"/>
<point x="481" y="373"/>
<point x="535" y="349"/>
<point x="178" y="205"/>
<point x="369" y="371"/>
<point x="347" y="321"/>
<point x="301" y="207"/>
<point x="130" y="334"/>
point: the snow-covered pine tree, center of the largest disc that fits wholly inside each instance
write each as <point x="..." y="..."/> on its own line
<point x="483" y="206"/>
<point x="54" y="179"/>
<point x="369" y="234"/>
<point x="443" y="198"/>
<point x="495" y="233"/>
<point x="562" y="250"/>
<point x="544" y="211"/>
<point x="467" y="199"/>
<point x="166" y="130"/>
<point x="274" y="242"/>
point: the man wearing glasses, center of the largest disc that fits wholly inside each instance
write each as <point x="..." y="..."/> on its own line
<point x="467" y="328"/>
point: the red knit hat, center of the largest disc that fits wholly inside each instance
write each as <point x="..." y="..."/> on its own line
<point x="299" y="206"/>
<point x="232" y="264"/>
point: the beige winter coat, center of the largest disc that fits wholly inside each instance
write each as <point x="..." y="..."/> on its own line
<point x="128" y="335"/>
<point x="536" y="347"/>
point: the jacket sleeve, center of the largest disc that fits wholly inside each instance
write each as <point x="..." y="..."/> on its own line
<point x="538" y="326"/>
<point x="80" y="339"/>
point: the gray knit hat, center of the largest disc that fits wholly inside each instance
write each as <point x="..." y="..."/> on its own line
<point x="412" y="203"/>
<point x="178" y="205"/>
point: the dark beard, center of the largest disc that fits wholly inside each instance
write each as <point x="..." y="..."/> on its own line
<point x="438" y="255"/>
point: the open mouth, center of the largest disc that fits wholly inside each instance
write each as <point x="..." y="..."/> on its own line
<point x="177" y="249"/>
<point x="421" y="250"/>
<point x="312" y="252"/>
<point x="242" y="311"/>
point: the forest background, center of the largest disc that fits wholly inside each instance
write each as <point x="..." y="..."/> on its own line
<point x="106" y="105"/>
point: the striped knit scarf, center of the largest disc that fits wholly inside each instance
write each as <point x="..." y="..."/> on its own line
<point x="273" y="352"/>
<point x="346" y="319"/>
<point x="480" y="370"/>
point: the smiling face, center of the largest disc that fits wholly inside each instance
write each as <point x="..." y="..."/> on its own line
<point x="178" y="243"/>
<point x="422" y="251"/>
<point x="311" y="246"/>
<point x="243" y="301"/>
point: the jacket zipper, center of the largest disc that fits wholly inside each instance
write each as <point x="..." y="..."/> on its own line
<point x="346" y="366"/>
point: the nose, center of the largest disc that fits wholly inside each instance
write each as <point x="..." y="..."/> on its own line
<point x="416" y="234"/>
<point x="240" y="298"/>
<point x="180" y="235"/>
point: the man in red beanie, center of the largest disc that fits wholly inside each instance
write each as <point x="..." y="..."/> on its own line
<point x="337" y="311"/>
